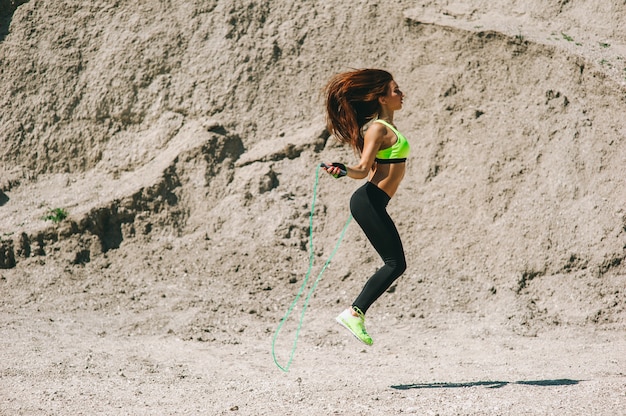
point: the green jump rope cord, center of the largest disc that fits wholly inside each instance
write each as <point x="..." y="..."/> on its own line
<point x="306" y="280"/>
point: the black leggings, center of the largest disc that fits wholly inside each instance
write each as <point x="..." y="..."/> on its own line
<point x="369" y="208"/>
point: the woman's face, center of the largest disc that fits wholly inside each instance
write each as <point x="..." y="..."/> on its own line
<point x="394" y="97"/>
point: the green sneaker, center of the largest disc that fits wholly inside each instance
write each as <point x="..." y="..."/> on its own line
<point x="355" y="324"/>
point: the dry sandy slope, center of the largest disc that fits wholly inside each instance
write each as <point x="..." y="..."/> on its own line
<point x="183" y="140"/>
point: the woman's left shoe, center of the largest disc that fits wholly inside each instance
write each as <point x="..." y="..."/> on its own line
<point x="356" y="325"/>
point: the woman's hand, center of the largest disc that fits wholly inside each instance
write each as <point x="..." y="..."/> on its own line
<point x="335" y="169"/>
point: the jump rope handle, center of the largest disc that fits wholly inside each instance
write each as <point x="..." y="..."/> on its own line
<point x="341" y="166"/>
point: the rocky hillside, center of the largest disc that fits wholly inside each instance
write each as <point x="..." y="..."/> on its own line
<point x="171" y="125"/>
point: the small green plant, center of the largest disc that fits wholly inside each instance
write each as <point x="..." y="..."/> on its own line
<point x="567" y="37"/>
<point x="605" y="45"/>
<point x="56" y="215"/>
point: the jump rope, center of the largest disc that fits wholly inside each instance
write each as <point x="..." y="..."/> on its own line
<point x="285" y="368"/>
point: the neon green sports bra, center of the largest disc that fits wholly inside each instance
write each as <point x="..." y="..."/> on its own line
<point x="396" y="153"/>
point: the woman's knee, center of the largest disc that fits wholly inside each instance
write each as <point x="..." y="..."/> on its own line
<point x="398" y="265"/>
<point x="401" y="267"/>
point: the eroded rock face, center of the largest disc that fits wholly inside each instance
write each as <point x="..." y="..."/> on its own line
<point x="7" y="255"/>
<point x="206" y="119"/>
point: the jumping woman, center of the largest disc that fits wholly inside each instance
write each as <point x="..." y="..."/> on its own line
<point x="360" y="105"/>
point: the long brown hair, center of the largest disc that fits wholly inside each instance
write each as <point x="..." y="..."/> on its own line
<point x="352" y="101"/>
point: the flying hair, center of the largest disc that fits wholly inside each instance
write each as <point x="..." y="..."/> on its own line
<point x="352" y="101"/>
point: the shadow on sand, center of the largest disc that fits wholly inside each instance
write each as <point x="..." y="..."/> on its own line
<point x="487" y="384"/>
<point x="3" y="198"/>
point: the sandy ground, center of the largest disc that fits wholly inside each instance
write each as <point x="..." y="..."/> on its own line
<point x="128" y="335"/>
<point x="72" y="364"/>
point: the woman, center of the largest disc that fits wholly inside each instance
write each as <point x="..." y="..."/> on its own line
<point x="354" y="99"/>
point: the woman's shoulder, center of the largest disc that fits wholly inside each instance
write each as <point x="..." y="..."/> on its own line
<point x="378" y="129"/>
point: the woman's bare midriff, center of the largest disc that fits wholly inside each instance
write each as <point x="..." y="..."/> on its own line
<point x="388" y="176"/>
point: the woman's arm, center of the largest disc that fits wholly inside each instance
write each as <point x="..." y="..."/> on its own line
<point x="374" y="137"/>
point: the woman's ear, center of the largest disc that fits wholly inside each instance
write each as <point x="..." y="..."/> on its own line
<point x="382" y="100"/>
